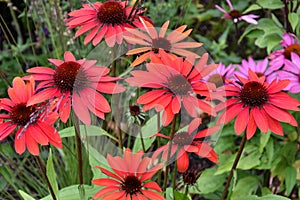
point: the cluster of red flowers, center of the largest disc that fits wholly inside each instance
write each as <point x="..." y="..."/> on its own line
<point x="177" y="81"/>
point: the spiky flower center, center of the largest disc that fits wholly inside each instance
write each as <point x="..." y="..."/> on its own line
<point x="217" y="79"/>
<point x="161" y="43"/>
<point x="134" y="110"/>
<point x="131" y="185"/>
<point x="254" y="94"/>
<point x="259" y="74"/>
<point x="183" y="138"/>
<point x="22" y="114"/>
<point x="69" y="76"/>
<point x="179" y="85"/>
<point x="111" y="13"/>
<point x="191" y="176"/>
<point x="295" y="48"/>
<point x="235" y="14"/>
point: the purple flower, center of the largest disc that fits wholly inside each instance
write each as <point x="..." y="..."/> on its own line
<point x="236" y="15"/>
<point x="280" y="57"/>
<point x="291" y="71"/>
<point x="260" y="68"/>
<point x="219" y="75"/>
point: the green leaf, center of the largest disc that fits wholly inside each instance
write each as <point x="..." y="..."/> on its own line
<point x="252" y="8"/>
<point x="208" y="182"/>
<point x="25" y="196"/>
<point x="267" y="197"/>
<point x="294" y="19"/>
<point x="264" y="138"/>
<point x="244" y="187"/>
<point x="175" y="195"/>
<point x="72" y="193"/>
<point x="290" y="179"/>
<point x="51" y="174"/>
<point x="270" y="4"/>
<point x="89" y="130"/>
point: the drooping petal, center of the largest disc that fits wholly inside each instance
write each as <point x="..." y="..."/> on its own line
<point x="182" y="161"/>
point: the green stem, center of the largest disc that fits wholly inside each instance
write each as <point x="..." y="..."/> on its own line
<point x="174" y="176"/>
<point x="158" y="145"/>
<point x="43" y="170"/>
<point x="120" y="137"/>
<point x="142" y="140"/>
<point x="79" y="149"/>
<point x="172" y="132"/>
<point x="186" y="192"/>
<point x="233" y="168"/>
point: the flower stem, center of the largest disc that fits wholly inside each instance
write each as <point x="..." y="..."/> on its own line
<point x="186" y="192"/>
<point x="172" y="132"/>
<point x="174" y="176"/>
<point x="158" y="145"/>
<point x="79" y="149"/>
<point x="142" y="140"/>
<point x="43" y="170"/>
<point x="233" y="168"/>
<point x="120" y="137"/>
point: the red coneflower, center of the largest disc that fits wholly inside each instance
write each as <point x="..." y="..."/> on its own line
<point x="175" y="81"/>
<point x="154" y="41"/>
<point x="75" y="83"/>
<point x="188" y="142"/>
<point x="32" y="122"/>
<point x="257" y="103"/>
<point x="107" y="19"/>
<point x="130" y="179"/>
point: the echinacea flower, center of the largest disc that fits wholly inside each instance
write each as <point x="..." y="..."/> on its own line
<point x="188" y="142"/>
<point x="236" y="15"/>
<point x="104" y="20"/>
<point x="77" y="83"/>
<point x="290" y="44"/>
<point x="130" y="179"/>
<point x="31" y="122"/>
<point x="175" y="81"/>
<point x="257" y="103"/>
<point x="291" y="71"/>
<point x="219" y="75"/>
<point x="260" y="68"/>
<point x="151" y="41"/>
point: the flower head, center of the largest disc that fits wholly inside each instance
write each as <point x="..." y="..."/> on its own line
<point x="291" y="71"/>
<point x="152" y="41"/>
<point x="175" y="81"/>
<point x="257" y="103"/>
<point x="31" y="122"/>
<point x="130" y="178"/>
<point x="219" y="75"/>
<point x="260" y="68"/>
<point x="107" y="19"/>
<point x="188" y="142"/>
<point x="290" y="45"/>
<point x="236" y="15"/>
<point x="77" y="83"/>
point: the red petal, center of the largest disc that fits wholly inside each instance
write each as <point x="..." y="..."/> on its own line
<point x="20" y="143"/>
<point x="110" y="37"/>
<point x="37" y="134"/>
<point x="230" y="113"/>
<point x="31" y="144"/>
<point x="251" y="128"/>
<point x="153" y="195"/>
<point x="81" y="110"/>
<point x="277" y="113"/>
<point x="105" y="182"/>
<point x="182" y="161"/>
<point x="260" y="119"/>
<point x="153" y="186"/>
<point x="241" y="121"/>
<point x="105" y="191"/>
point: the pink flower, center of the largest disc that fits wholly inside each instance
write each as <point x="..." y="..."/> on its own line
<point x="257" y="103"/>
<point x="104" y="20"/>
<point x="290" y="44"/>
<point x="220" y="75"/>
<point x="175" y="83"/>
<point x="77" y="83"/>
<point x="260" y="68"/>
<point x="130" y="178"/>
<point x="31" y="122"/>
<point x="291" y="71"/>
<point x="236" y="15"/>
